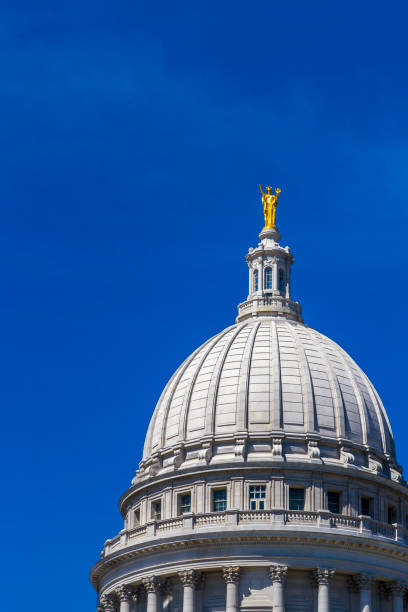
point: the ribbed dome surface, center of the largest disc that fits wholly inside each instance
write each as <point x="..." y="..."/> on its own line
<point x="266" y="375"/>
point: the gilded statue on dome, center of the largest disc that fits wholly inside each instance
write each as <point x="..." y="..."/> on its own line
<point x="270" y="202"/>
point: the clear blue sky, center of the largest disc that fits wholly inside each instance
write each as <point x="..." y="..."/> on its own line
<point x="133" y="139"/>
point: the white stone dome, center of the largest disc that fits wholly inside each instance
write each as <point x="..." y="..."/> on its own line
<point x="270" y="376"/>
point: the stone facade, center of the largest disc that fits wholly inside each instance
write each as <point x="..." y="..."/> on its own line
<point x="269" y="479"/>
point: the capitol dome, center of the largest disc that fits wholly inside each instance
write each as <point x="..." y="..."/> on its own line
<point x="268" y="375"/>
<point x="269" y="480"/>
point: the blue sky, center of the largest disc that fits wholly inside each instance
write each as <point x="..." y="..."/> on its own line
<point x="134" y="136"/>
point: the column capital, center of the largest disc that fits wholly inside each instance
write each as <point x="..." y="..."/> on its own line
<point x="322" y="575"/>
<point x="124" y="593"/>
<point x="108" y="602"/>
<point x="278" y="573"/>
<point x="152" y="584"/>
<point x="358" y="582"/>
<point x="231" y="574"/>
<point x="398" y="588"/>
<point x="189" y="578"/>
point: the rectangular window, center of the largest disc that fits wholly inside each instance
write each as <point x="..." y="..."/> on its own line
<point x="333" y="502"/>
<point x="392" y="515"/>
<point x="257" y="494"/>
<point x="137" y="518"/>
<point x="219" y="500"/>
<point x="185" y="503"/>
<point x="156" y="511"/>
<point x="296" y="498"/>
<point x="366" y="506"/>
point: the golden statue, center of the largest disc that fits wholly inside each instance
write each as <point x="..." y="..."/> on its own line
<point x="270" y="202"/>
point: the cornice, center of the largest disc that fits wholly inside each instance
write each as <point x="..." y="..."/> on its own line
<point x="366" y="544"/>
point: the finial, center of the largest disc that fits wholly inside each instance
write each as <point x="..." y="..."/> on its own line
<point x="270" y="202"/>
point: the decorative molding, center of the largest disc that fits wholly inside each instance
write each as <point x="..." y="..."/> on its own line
<point x="240" y="447"/>
<point x="323" y="576"/>
<point x="278" y="573"/>
<point x="398" y="588"/>
<point x="189" y="578"/>
<point x="108" y="602"/>
<point x="313" y="449"/>
<point x="346" y="456"/>
<point x="231" y="574"/>
<point x="124" y="593"/>
<point x="277" y="450"/>
<point x="205" y="452"/>
<point x="152" y="584"/>
<point x="359" y="582"/>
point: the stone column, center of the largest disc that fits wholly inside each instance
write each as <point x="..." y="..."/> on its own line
<point x="231" y="577"/>
<point x="188" y="578"/>
<point x="152" y="585"/>
<point x="125" y="598"/>
<point x="363" y="583"/>
<point x="199" y="592"/>
<point x="108" y="602"/>
<point x="278" y="574"/>
<point x="137" y="595"/>
<point x="397" y="590"/>
<point x="322" y="578"/>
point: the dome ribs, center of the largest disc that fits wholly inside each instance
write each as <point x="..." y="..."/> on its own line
<point x="182" y="371"/>
<point x="309" y="406"/>
<point x="243" y="387"/>
<point x="276" y="380"/>
<point x="338" y="404"/>
<point x="214" y="385"/>
<point x="185" y="408"/>
<point x="258" y="399"/>
<point x="228" y="384"/>
<point x="358" y="395"/>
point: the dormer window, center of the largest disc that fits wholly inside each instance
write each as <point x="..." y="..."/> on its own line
<point x="268" y="278"/>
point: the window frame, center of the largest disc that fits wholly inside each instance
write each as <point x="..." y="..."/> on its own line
<point x="282" y="280"/>
<point x="180" y="496"/>
<point x="370" y="505"/>
<point x="267" y="272"/>
<point x="213" y="502"/>
<point x="255" y="280"/>
<point x="339" y="496"/>
<point x="258" y="500"/>
<point x="153" y="502"/>
<point x="297" y="488"/>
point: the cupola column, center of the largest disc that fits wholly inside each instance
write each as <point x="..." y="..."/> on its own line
<point x="189" y="580"/>
<point x="278" y="575"/>
<point x="231" y="577"/>
<point x="322" y="578"/>
<point x="398" y="591"/>
<point x="107" y="603"/>
<point x="152" y="586"/>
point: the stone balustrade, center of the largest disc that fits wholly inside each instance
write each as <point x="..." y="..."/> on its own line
<point x="263" y="520"/>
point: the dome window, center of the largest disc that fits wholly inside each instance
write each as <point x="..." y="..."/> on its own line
<point x="392" y="515"/>
<point x="296" y="498"/>
<point x="257" y="494"/>
<point x="156" y="510"/>
<point x="282" y="280"/>
<point x="255" y="283"/>
<point x="366" y="506"/>
<point x="333" y="502"/>
<point x="268" y="278"/>
<point x="185" y="503"/>
<point x="219" y="500"/>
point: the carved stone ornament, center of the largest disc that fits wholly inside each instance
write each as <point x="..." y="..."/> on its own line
<point x="124" y="593"/>
<point x="178" y="457"/>
<point x="398" y="588"/>
<point x="395" y="474"/>
<point x="188" y="578"/>
<point x="152" y="584"/>
<point x="277" y="447"/>
<point x="313" y="449"/>
<point x="240" y="447"/>
<point x="384" y="590"/>
<point x="375" y="465"/>
<point x="346" y="456"/>
<point x="360" y="582"/>
<point x="231" y="574"/>
<point x="108" y="602"/>
<point x="278" y="573"/>
<point x="323" y="576"/>
<point x="205" y="452"/>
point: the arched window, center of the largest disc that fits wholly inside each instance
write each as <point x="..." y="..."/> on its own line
<point x="255" y="285"/>
<point x="282" y="283"/>
<point x="268" y="278"/>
